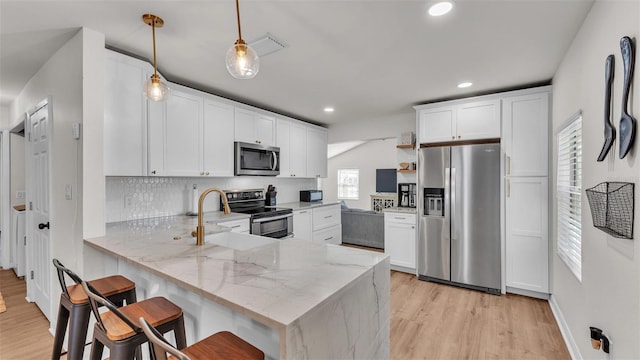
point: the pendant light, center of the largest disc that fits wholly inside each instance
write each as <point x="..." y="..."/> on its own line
<point x="242" y="61"/>
<point x="155" y="89"/>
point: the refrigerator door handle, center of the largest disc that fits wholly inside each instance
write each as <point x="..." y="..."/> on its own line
<point x="452" y="204"/>
<point x="447" y="201"/>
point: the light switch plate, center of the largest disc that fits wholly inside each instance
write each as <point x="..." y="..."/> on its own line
<point x="67" y="192"/>
<point x="75" y="130"/>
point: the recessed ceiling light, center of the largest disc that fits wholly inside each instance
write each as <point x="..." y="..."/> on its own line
<point x="328" y="109"/>
<point x="440" y="8"/>
<point x="464" y="85"/>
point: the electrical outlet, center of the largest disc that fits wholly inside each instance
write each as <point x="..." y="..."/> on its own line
<point x="19" y="194"/>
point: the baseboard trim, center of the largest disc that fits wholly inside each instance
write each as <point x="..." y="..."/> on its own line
<point x="529" y="293"/>
<point x="564" y="330"/>
<point x="403" y="269"/>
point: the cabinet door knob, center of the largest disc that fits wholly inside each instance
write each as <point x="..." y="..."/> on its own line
<point x="453" y="137"/>
<point x="459" y="136"/>
<point x="207" y="173"/>
<point x="43" y="226"/>
<point x="153" y="172"/>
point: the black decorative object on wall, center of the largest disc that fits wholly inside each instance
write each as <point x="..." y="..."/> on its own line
<point x="627" y="123"/>
<point x="611" y="205"/>
<point x="609" y="131"/>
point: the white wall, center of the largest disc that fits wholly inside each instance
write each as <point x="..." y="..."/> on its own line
<point x="608" y="296"/>
<point x="373" y="128"/>
<point x="375" y="154"/>
<point x="17" y="168"/>
<point x="61" y="78"/>
<point x="4" y="117"/>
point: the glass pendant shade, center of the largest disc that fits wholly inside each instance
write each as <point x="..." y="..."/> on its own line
<point x="242" y="61"/>
<point x="155" y="89"/>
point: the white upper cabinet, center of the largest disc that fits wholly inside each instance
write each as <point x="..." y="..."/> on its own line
<point x="125" y="116"/>
<point x="317" y="152"/>
<point x="478" y="120"/>
<point x="526" y="134"/>
<point x="253" y="127"/>
<point x="437" y="125"/>
<point x="292" y="141"/>
<point x="460" y="122"/>
<point x="218" y="142"/>
<point x="175" y="134"/>
<point x="191" y="135"/>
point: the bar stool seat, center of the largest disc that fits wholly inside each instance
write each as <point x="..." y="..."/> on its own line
<point x="74" y="310"/>
<point x="222" y="345"/>
<point x="116" y="330"/>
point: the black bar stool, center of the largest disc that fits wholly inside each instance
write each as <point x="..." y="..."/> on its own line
<point x="222" y="345"/>
<point x="74" y="309"/>
<point x="116" y="330"/>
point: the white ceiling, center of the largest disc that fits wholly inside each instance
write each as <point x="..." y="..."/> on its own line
<point x="371" y="60"/>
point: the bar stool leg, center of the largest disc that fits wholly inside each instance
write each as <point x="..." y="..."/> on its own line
<point x="180" y="334"/>
<point x="78" y="330"/>
<point x="96" y="348"/>
<point x="61" y="329"/>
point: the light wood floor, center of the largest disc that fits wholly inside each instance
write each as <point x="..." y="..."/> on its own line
<point x="434" y="321"/>
<point x="428" y="321"/>
<point x="24" y="331"/>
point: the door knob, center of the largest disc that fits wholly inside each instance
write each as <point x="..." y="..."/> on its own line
<point x="42" y="226"/>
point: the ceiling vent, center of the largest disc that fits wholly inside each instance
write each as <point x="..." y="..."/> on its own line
<point x="267" y="44"/>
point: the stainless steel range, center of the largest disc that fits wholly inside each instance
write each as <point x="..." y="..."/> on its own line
<point x="267" y="221"/>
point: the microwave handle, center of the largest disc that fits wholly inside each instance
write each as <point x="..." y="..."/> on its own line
<point x="275" y="161"/>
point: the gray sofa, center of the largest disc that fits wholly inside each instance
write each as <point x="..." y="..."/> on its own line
<point x="363" y="227"/>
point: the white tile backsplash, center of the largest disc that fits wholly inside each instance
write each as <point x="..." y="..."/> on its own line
<point x="129" y="198"/>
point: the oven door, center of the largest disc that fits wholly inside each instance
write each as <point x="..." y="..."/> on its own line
<point x="278" y="227"/>
<point x="254" y="159"/>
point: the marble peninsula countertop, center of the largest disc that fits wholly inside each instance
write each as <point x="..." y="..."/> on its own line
<point x="272" y="281"/>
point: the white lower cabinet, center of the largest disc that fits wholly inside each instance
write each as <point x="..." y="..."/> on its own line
<point x="239" y="226"/>
<point x="330" y="235"/>
<point x="400" y="240"/>
<point x="302" y="224"/>
<point x="527" y="229"/>
<point x="320" y="223"/>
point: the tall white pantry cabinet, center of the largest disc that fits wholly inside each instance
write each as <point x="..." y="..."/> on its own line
<point x="525" y="137"/>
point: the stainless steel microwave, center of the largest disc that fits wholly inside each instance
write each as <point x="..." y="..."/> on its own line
<point x="256" y="159"/>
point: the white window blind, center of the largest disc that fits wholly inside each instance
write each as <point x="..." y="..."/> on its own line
<point x="348" y="184"/>
<point x="569" y="195"/>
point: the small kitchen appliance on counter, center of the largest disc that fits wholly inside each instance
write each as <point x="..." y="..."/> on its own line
<point x="269" y="221"/>
<point x="310" y="195"/>
<point x="270" y="199"/>
<point x="406" y="195"/>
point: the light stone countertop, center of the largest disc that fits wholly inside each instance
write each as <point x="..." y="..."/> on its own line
<point x="306" y="205"/>
<point x="274" y="282"/>
<point x="406" y="210"/>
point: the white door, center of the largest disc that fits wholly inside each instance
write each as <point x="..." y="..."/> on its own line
<point x="38" y="279"/>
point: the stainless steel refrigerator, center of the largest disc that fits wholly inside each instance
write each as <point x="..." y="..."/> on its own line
<point x="459" y="207"/>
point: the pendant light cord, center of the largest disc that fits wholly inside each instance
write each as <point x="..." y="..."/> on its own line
<point x="238" y="16"/>
<point x="153" y="31"/>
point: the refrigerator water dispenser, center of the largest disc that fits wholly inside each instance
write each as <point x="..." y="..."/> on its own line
<point x="434" y="201"/>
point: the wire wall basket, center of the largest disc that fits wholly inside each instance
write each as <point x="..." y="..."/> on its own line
<point x="611" y="205"/>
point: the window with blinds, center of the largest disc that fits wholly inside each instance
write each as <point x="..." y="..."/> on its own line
<point x="569" y="195"/>
<point x="348" y="184"/>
